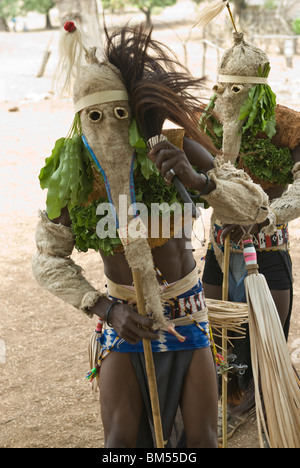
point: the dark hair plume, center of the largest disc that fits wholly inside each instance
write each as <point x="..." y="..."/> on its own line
<point x="159" y="87"/>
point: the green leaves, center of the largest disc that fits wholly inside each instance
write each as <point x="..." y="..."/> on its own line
<point x="266" y="161"/>
<point x="210" y="125"/>
<point x="67" y="174"/>
<point x="134" y="134"/>
<point x="85" y="219"/>
<point x="155" y="190"/>
<point x="296" y="25"/>
<point x="51" y="164"/>
<point x="84" y="223"/>
<point x="136" y="141"/>
<point x="259" y="108"/>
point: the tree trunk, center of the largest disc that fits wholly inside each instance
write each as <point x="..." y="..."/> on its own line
<point x="48" y="22"/>
<point x="85" y="14"/>
<point x="148" y="18"/>
<point x="3" y="25"/>
<point x="147" y="13"/>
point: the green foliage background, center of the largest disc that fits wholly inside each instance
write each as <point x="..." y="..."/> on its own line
<point x="12" y="8"/>
<point x="296" y="26"/>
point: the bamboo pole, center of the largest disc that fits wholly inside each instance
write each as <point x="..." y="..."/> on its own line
<point x="149" y="363"/>
<point x="225" y="287"/>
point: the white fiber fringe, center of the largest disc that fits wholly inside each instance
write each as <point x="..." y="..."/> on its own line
<point x="71" y="50"/>
<point x="277" y="391"/>
<point x="210" y="12"/>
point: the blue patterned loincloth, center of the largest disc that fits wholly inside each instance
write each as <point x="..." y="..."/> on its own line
<point x="196" y="334"/>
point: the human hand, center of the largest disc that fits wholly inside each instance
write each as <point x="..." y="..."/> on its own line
<point x="172" y="161"/>
<point x="130" y="325"/>
<point x="236" y="231"/>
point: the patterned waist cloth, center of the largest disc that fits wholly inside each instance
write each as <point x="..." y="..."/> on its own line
<point x="279" y="239"/>
<point x="187" y="312"/>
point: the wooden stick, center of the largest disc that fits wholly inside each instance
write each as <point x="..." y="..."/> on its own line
<point x="231" y="17"/>
<point x="149" y="363"/>
<point x="46" y="56"/>
<point x="225" y="287"/>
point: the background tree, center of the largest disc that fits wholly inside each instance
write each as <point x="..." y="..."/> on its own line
<point x="8" y="9"/>
<point x="145" y="6"/>
<point x="239" y="5"/>
<point x="40" y="6"/>
<point x="114" y="5"/>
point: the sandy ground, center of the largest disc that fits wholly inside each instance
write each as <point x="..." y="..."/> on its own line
<point x="45" y="401"/>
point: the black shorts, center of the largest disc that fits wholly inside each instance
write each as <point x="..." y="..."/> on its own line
<point x="276" y="266"/>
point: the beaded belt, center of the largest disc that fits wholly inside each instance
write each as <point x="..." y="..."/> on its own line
<point x="279" y="239"/>
<point x="190" y="303"/>
<point x="182" y="306"/>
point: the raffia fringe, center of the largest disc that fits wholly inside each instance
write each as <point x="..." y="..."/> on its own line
<point x="278" y="409"/>
<point x="94" y="350"/>
<point x="231" y="316"/>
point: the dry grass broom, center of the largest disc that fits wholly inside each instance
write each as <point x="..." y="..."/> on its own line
<point x="277" y="392"/>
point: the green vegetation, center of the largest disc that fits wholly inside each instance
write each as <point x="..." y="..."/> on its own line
<point x="67" y="173"/>
<point x="296" y="26"/>
<point x="266" y="161"/>
<point x="146" y="6"/>
<point x="259" y="108"/>
<point x="11" y="8"/>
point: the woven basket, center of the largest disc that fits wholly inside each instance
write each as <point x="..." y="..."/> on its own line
<point x="287" y="127"/>
<point x="175" y="136"/>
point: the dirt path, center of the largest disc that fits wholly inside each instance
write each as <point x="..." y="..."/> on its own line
<point x="45" y="400"/>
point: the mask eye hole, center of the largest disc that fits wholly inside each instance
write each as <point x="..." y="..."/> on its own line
<point x="237" y="88"/>
<point x="218" y="88"/>
<point x="121" y="113"/>
<point x="95" y="115"/>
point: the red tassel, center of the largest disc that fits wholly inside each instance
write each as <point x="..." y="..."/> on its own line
<point x="70" y="26"/>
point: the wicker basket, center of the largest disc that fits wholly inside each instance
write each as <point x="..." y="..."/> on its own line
<point x="175" y="136"/>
